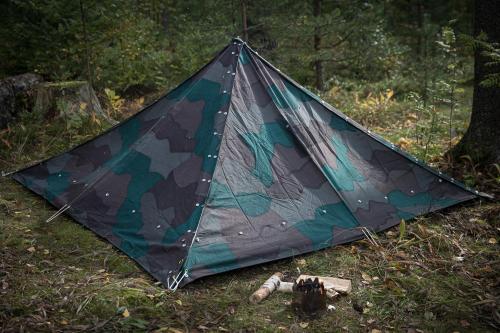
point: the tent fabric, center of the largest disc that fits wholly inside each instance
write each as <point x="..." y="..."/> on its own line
<point x="237" y="166"/>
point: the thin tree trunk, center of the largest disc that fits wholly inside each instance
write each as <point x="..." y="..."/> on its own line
<point x="318" y="63"/>
<point x="244" y="19"/>
<point x="86" y="41"/>
<point x="482" y="139"/>
<point x="90" y="75"/>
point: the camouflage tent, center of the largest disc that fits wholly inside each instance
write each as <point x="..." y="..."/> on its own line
<point x="237" y="166"/>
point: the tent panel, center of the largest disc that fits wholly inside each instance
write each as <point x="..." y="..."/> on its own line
<point x="264" y="206"/>
<point x="268" y="200"/>
<point x="142" y="184"/>
<point x="369" y="174"/>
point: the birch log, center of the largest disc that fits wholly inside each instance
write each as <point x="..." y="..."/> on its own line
<point x="267" y="288"/>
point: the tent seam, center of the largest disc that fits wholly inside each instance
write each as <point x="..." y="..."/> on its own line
<point x="219" y="161"/>
<point x="305" y="146"/>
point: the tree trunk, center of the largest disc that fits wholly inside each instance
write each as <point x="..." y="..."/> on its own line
<point x="86" y="41"/>
<point x="244" y="19"/>
<point x="482" y="139"/>
<point x="318" y="63"/>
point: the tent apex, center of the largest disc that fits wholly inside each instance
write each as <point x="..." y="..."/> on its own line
<point x="237" y="39"/>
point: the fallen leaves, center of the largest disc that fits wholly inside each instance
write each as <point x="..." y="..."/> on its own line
<point x="464" y="323"/>
<point x="367" y="279"/>
<point x="301" y="262"/>
<point x="405" y="143"/>
<point x="123" y="311"/>
<point x="31" y="249"/>
<point x="168" y="329"/>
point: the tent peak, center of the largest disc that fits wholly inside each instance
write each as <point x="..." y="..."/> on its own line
<point x="237" y="39"/>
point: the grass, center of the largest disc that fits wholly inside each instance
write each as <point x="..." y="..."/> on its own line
<point x="439" y="274"/>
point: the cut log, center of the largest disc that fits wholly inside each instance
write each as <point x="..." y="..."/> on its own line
<point x="267" y="288"/>
<point x="287" y="287"/>
<point x="342" y="286"/>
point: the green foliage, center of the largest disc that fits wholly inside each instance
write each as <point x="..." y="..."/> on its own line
<point x="32" y="138"/>
<point x="131" y="54"/>
<point x="491" y="51"/>
<point x="155" y="44"/>
<point x="55" y="38"/>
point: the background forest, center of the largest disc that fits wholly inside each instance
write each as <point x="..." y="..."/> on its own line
<point x="403" y="68"/>
<point x="130" y="45"/>
<point x="380" y="61"/>
<point x="408" y="63"/>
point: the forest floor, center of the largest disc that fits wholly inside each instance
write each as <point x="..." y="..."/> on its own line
<point x="438" y="273"/>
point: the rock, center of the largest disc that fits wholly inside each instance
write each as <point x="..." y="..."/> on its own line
<point x="17" y="95"/>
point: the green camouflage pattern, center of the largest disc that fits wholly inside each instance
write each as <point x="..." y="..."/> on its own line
<point x="237" y="166"/>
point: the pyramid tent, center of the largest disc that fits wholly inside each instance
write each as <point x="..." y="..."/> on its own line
<point x="237" y="166"/>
